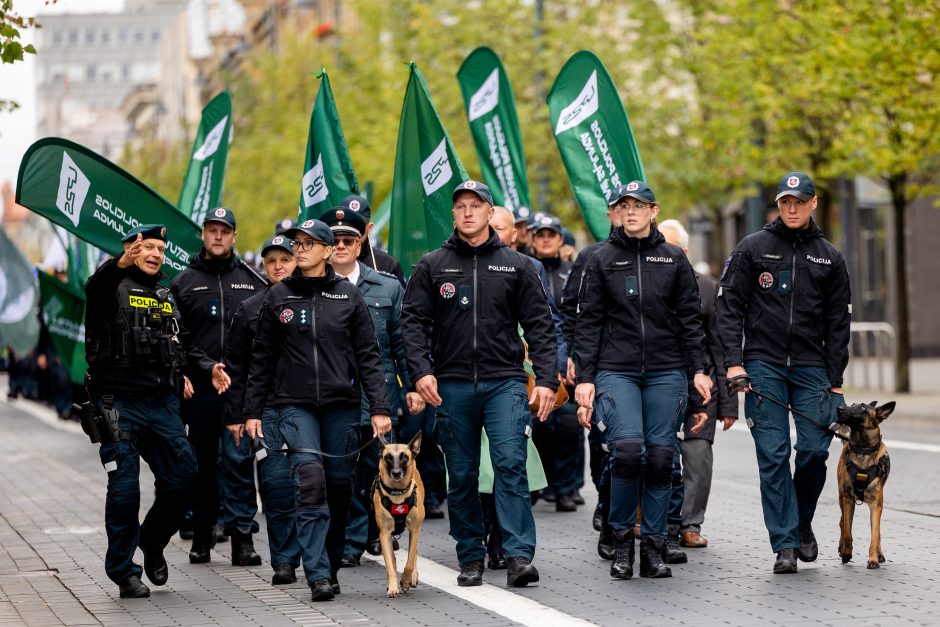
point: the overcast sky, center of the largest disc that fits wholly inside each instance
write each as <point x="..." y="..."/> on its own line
<point x="17" y="82"/>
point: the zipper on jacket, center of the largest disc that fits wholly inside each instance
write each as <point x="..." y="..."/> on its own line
<point x="316" y="352"/>
<point x="475" y="354"/>
<point x="792" y="293"/>
<point x="222" y="317"/>
<point x="639" y="275"/>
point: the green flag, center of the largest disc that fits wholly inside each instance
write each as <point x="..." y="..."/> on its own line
<point x="19" y="323"/>
<point x="205" y="177"/>
<point x="98" y="201"/>
<point x="491" y="111"/>
<point x="63" y="309"/>
<point x="328" y="172"/>
<point x="427" y="170"/>
<point x="593" y="136"/>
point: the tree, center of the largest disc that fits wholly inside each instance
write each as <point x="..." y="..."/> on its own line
<point x="11" y="47"/>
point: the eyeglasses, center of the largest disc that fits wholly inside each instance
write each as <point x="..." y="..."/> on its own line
<point x="347" y="242"/>
<point x="637" y="207"/>
<point x="305" y="245"/>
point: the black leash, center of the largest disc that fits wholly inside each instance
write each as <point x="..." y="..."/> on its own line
<point x="742" y="381"/>
<point x="259" y="442"/>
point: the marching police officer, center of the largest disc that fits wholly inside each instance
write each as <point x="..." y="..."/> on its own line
<point x="137" y="351"/>
<point x="785" y="289"/>
<point x="208" y="294"/>
<point x="376" y="259"/>
<point x="274" y="480"/>
<point x="315" y="346"/>
<point x="462" y="310"/>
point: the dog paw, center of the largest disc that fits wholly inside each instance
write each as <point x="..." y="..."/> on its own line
<point x="881" y="558"/>
<point x="846" y="557"/>
<point x="393" y="593"/>
<point x="873" y="565"/>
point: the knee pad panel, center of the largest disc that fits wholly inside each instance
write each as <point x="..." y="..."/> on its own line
<point x="659" y="465"/>
<point x="312" y="480"/>
<point x="627" y="457"/>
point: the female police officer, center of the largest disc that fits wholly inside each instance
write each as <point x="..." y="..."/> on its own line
<point x="302" y="365"/>
<point x="638" y="335"/>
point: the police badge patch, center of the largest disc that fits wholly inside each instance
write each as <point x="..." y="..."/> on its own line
<point x="765" y="280"/>
<point x="448" y="290"/>
<point x="286" y="316"/>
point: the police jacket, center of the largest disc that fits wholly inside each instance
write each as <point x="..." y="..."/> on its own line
<point x="383" y="295"/>
<point x="238" y="354"/>
<point x="570" y="296"/>
<point x="786" y="293"/>
<point x="135" y="342"/>
<point x="463" y="307"/>
<point x="558" y="271"/>
<point x="561" y="351"/>
<point x="381" y="261"/>
<point x="640" y="309"/>
<point x="315" y="345"/>
<point x="208" y="293"/>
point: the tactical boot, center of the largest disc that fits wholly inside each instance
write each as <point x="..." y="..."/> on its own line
<point x="155" y="566"/>
<point x="598" y="519"/>
<point x="471" y="574"/>
<point x="322" y="590"/>
<point x="808" y="550"/>
<point x="134" y="588"/>
<point x="625" y="547"/>
<point x="786" y="562"/>
<point x="605" y="543"/>
<point x="283" y="574"/>
<point x="203" y="541"/>
<point x="651" y="558"/>
<point x="520" y="572"/>
<point x="565" y="503"/>
<point x="334" y="584"/>
<point x="578" y="499"/>
<point x="243" y="550"/>
<point x="672" y="554"/>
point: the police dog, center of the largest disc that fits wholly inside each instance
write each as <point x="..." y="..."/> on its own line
<point x="862" y="472"/>
<point x="398" y="501"/>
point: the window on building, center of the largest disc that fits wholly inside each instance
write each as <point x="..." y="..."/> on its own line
<point x="56" y="38"/>
<point x="73" y="37"/>
<point x="139" y="36"/>
<point x="154" y="36"/>
<point x="105" y="37"/>
<point x="90" y="37"/>
<point x="122" y="35"/>
<point x="125" y="72"/>
<point x="91" y="72"/>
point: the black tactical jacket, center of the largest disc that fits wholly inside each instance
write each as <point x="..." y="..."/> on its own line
<point x="238" y="354"/>
<point x="640" y="309"/>
<point x="784" y="294"/>
<point x="463" y="307"/>
<point x="315" y="345"/>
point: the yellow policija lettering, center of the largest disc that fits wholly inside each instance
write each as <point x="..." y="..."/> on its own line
<point x="145" y="302"/>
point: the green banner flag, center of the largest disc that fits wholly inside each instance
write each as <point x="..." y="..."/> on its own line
<point x="98" y="201"/>
<point x="491" y="111"/>
<point x="427" y="170"/>
<point x="205" y="177"/>
<point x="63" y="309"/>
<point x="328" y="172"/>
<point x="19" y="322"/>
<point x="593" y="136"/>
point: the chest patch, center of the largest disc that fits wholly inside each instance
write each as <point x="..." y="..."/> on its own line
<point x="448" y="290"/>
<point x="286" y="316"/>
<point x="765" y="280"/>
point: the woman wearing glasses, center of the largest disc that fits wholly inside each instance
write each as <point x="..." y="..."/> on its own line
<point x="303" y="366"/>
<point x="638" y="337"/>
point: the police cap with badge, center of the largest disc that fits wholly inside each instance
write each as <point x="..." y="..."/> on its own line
<point x="222" y="215"/>
<point x="278" y="242"/>
<point x="147" y="231"/>
<point x="316" y="229"/>
<point x="796" y="184"/>
<point x="283" y="226"/>
<point x="343" y="221"/>
<point x="634" y="189"/>
<point x="358" y="204"/>
<point x="521" y="215"/>
<point x="474" y="187"/>
<point x="549" y="223"/>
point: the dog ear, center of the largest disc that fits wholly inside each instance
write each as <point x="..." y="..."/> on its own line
<point x="415" y="444"/>
<point x="873" y="403"/>
<point x="884" y="411"/>
<point x="382" y="440"/>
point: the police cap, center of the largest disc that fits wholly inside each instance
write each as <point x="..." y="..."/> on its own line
<point x="316" y="229"/>
<point x="796" y="184"/>
<point x="473" y="187"/>
<point x="278" y="242"/>
<point x="148" y="231"/>
<point x="358" y="204"/>
<point x="283" y="226"/>
<point x="634" y="189"/>
<point x="343" y="221"/>
<point x="220" y="214"/>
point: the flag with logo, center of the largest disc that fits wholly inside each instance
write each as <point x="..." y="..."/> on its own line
<point x="63" y="310"/>
<point x="19" y="322"/>
<point x="427" y="170"/>
<point x="205" y="177"/>
<point x="328" y="172"/>
<point x="491" y="111"/>
<point x="99" y="202"/>
<point x="593" y="135"/>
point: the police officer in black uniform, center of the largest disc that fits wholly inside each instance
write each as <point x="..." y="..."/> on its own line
<point x="208" y="294"/>
<point x="137" y="353"/>
<point x="371" y="256"/>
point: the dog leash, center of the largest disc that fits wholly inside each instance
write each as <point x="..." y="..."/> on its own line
<point x="742" y="381"/>
<point x="259" y="442"/>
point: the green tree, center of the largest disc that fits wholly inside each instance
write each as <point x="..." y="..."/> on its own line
<point x="12" y="48"/>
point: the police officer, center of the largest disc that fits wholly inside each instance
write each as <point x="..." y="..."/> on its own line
<point x="462" y="310"/>
<point x="208" y="294"/>
<point x="383" y="295"/>
<point x="523" y="215"/>
<point x="785" y="289"/>
<point x="314" y="348"/>
<point x="274" y="481"/>
<point x="137" y="350"/>
<point x="638" y="335"/>
<point x="376" y="259"/>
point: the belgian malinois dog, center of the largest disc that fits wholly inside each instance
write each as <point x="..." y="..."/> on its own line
<point x="398" y="501"/>
<point x="862" y="473"/>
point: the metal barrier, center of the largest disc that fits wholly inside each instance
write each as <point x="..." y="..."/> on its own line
<point x="872" y="356"/>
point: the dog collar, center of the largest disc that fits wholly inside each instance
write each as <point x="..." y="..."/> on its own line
<point x="394" y="492"/>
<point x="866" y="450"/>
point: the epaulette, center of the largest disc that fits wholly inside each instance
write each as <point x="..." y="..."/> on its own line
<point x="388" y="274"/>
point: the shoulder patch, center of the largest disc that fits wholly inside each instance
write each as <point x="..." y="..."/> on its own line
<point x="729" y="265"/>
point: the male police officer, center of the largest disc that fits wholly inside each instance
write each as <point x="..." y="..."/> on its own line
<point x="462" y="309"/>
<point x="376" y="259"/>
<point x="786" y="290"/>
<point x="383" y="295"/>
<point x="208" y="294"/>
<point x="135" y="347"/>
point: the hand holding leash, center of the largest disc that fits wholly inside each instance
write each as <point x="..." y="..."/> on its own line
<point x="737" y="380"/>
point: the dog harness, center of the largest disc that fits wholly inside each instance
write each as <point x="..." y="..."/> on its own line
<point x="399" y="511"/>
<point x="862" y="477"/>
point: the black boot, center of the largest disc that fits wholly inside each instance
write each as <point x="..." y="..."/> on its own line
<point x="808" y="550"/>
<point x="605" y="543"/>
<point x="155" y="565"/>
<point x="243" y="550"/>
<point x="203" y="541"/>
<point x="283" y="574"/>
<point x="598" y="520"/>
<point x="134" y="588"/>
<point x="322" y="590"/>
<point x="565" y="503"/>
<point x="651" y="558"/>
<point x="520" y="572"/>
<point x="672" y="554"/>
<point x="471" y="574"/>
<point x="625" y="547"/>
<point x="786" y="562"/>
